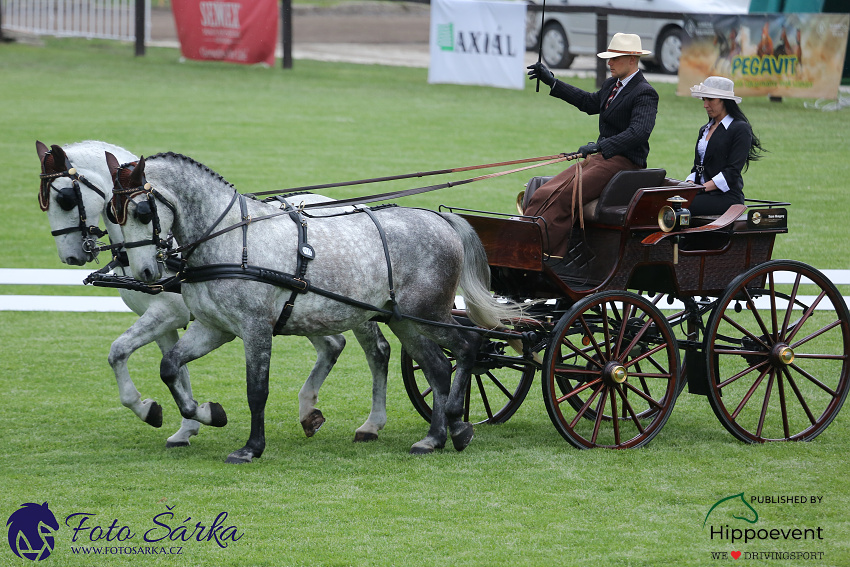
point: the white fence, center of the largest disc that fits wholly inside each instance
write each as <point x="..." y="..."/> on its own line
<point x="107" y="19"/>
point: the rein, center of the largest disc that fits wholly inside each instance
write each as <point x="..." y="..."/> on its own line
<point x="407" y="176"/>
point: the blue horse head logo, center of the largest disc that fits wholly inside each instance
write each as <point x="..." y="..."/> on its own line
<point x="737" y="504"/>
<point x="31" y="530"/>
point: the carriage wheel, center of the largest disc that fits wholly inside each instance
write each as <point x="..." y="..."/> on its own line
<point x="498" y="386"/>
<point x="611" y="372"/>
<point x="778" y="348"/>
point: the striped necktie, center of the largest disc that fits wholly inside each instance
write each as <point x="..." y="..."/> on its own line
<point x="613" y="93"/>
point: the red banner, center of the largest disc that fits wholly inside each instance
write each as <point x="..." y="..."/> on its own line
<point x="239" y="31"/>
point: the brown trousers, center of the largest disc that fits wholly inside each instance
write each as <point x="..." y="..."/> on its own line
<point x="553" y="201"/>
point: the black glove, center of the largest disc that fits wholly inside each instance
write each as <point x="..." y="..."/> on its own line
<point x="589" y="148"/>
<point x="539" y="71"/>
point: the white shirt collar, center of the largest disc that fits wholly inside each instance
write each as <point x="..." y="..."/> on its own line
<point x="727" y="120"/>
<point x="627" y="79"/>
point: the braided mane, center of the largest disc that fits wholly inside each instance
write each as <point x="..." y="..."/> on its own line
<point x="187" y="159"/>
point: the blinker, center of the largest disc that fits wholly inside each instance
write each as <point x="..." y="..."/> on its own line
<point x="144" y="213"/>
<point x="66" y="198"/>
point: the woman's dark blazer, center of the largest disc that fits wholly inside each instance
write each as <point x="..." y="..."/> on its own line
<point x="727" y="153"/>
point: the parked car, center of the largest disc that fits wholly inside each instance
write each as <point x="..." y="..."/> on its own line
<point x="566" y="35"/>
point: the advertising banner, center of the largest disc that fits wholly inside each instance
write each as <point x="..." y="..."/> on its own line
<point x="477" y="43"/>
<point x="791" y="55"/>
<point x="238" y="31"/>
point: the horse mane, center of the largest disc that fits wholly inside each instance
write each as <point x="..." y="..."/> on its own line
<point x="187" y="159"/>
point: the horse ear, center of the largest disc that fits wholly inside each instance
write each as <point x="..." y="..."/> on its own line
<point x="59" y="158"/>
<point x="137" y="178"/>
<point x="42" y="150"/>
<point x="112" y="163"/>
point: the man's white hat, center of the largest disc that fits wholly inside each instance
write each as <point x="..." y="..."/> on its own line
<point x="623" y="44"/>
<point x="715" y="87"/>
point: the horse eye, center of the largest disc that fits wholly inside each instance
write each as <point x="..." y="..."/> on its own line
<point x="66" y="198"/>
<point x="144" y="214"/>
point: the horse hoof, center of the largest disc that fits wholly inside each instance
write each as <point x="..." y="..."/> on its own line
<point x="172" y="444"/>
<point x="462" y="437"/>
<point x="240" y="457"/>
<point x="420" y="450"/>
<point x="218" y="417"/>
<point x="312" y="422"/>
<point x="154" y="417"/>
<point x="365" y="436"/>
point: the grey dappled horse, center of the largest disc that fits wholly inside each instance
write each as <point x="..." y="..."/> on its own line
<point x="161" y="315"/>
<point x="430" y="254"/>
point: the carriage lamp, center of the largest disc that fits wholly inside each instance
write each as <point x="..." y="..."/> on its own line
<point x="674" y="216"/>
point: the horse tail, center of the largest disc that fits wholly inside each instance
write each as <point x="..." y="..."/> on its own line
<point x="481" y="306"/>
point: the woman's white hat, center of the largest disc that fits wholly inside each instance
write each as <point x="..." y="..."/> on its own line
<point x="623" y="44"/>
<point x="715" y="87"/>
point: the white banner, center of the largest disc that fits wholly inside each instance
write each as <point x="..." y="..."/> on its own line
<point x="478" y="43"/>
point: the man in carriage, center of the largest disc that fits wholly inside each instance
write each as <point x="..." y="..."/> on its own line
<point x="627" y="105"/>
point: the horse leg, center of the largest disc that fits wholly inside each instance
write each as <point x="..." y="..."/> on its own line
<point x="437" y="370"/>
<point x="258" y="352"/>
<point x="153" y="323"/>
<point x="377" y="351"/>
<point x="197" y="341"/>
<point x="328" y="350"/>
<point x="189" y="427"/>
<point x="464" y="347"/>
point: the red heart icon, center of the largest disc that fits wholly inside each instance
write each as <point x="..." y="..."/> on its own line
<point x="735" y="554"/>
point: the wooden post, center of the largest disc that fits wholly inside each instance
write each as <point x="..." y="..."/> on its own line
<point x="286" y="32"/>
<point x="140" y="27"/>
<point x="601" y="45"/>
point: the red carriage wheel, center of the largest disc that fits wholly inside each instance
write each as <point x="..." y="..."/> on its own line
<point x="499" y="384"/>
<point x="778" y="349"/>
<point x="611" y="372"/>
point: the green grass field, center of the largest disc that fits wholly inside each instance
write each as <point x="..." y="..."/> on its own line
<point x="519" y="495"/>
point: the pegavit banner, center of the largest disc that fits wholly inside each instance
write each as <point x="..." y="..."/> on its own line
<point x="477" y="43"/>
<point x="238" y="31"/>
<point x="793" y="55"/>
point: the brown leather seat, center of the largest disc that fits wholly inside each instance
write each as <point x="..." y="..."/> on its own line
<point x="612" y="204"/>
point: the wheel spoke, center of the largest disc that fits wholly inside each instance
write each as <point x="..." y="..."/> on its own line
<point x="745" y="331"/>
<point x="484" y="398"/>
<point x="626" y="314"/>
<point x="816" y="334"/>
<point x="790" y="308"/>
<point x="764" y="405"/>
<point x="615" y="421"/>
<point x="498" y="384"/>
<point x="815" y="381"/>
<point x="751" y="302"/>
<point x="806" y="315"/>
<point x="600" y="407"/>
<point x="646" y="397"/>
<point x="628" y="407"/>
<point x="607" y="330"/>
<point x="749" y="394"/>
<point x="647" y="354"/>
<point x="583" y="409"/>
<point x="799" y="395"/>
<point x="578" y="390"/>
<point x="590" y="337"/>
<point x="783" y="409"/>
<point x="580" y="352"/>
<point x="773" y="308"/>
<point x="740" y="375"/>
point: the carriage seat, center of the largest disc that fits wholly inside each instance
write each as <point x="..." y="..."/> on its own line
<point x="611" y="206"/>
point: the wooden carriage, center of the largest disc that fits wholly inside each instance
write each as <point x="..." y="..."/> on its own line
<point x="767" y="341"/>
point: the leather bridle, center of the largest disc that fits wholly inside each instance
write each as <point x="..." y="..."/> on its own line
<point x="68" y="198"/>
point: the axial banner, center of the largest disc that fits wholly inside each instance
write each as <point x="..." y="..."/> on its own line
<point x="239" y="31"/>
<point x="477" y="43"/>
<point x="793" y="55"/>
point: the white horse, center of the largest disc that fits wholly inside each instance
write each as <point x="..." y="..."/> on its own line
<point x="76" y="186"/>
<point x="244" y="271"/>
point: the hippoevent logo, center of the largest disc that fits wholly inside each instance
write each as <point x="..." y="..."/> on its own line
<point x="733" y="520"/>
<point x="31" y="529"/>
<point x="32" y="533"/>
<point x="220" y="14"/>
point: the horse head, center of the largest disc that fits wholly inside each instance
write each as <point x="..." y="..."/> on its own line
<point x="134" y="206"/>
<point x="73" y="192"/>
<point x="31" y="530"/>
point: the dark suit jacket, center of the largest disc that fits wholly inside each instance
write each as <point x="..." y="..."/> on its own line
<point x="625" y="126"/>
<point x="727" y="153"/>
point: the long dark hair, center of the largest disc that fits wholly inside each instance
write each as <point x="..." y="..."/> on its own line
<point x="756" y="149"/>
